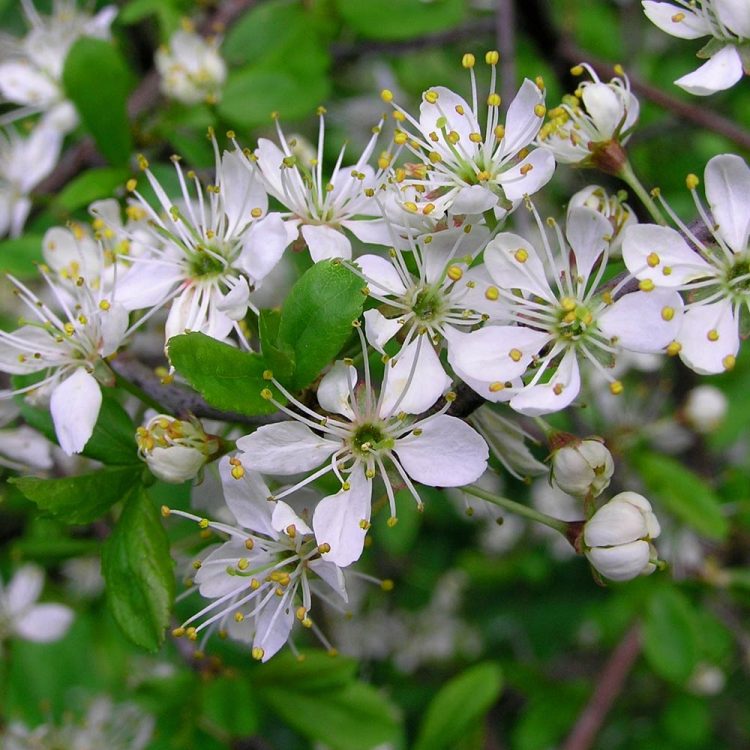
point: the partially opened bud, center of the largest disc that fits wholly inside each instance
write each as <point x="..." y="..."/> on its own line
<point x="175" y="450"/>
<point x="617" y="538"/>
<point x="705" y="408"/>
<point x="582" y="467"/>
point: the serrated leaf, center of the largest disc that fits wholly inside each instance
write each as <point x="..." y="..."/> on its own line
<point x="316" y="320"/>
<point x="683" y="493"/>
<point x="400" y="19"/>
<point x="137" y="569"/>
<point x="227" y="378"/>
<point x="92" y="185"/>
<point x="354" y="717"/>
<point x="458" y="706"/>
<point x="103" y="108"/>
<point x="80" y="499"/>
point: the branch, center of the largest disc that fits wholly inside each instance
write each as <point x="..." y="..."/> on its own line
<point x="608" y="687"/>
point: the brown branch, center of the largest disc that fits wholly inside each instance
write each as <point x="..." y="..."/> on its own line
<point x="608" y="687"/>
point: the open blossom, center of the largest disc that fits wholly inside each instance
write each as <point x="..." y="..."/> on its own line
<point x="712" y="265"/>
<point x="262" y="578"/>
<point x="590" y="126"/>
<point x="612" y="207"/>
<point x="367" y="433"/>
<point x="31" y="73"/>
<point x="21" y="616"/>
<point x="463" y="168"/>
<point x="556" y="324"/>
<point x="727" y="22"/>
<point x="205" y="253"/>
<point x="69" y="350"/>
<point x="320" y="209"/>
<point x="191" y="68"/>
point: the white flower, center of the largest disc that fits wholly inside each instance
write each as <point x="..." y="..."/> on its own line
<point x="261" y="579"/>
<point x="726" y="21"/>
<point x="319" y="209"/>
<point x="462" y="170"/>
<point x="31" y="74"/>
<point x="557" y="323"/>
<point x="617" y="538"/>
<point x="175" y="450"/>
<point x="21" y="616"/>
<point x="712" y="264"/>
<point x="191" y="68"/>
<point x="612" y="207"/>
<point x="207" y="253"/>
<point x="589" y="126"/>
<point x="705" y="408"/>
<point x="24" y="163"/>
<point x="22" y="448"/>
<point x="439" y="450"/>
<point x="69" y="349"/>
<point x="582" y="467"/>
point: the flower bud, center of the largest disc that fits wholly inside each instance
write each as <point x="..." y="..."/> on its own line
<point x="705" y="408"/>
<point x="175" y="450"/>
<point x="582" y="467"/>
<point x="617" y="538"/>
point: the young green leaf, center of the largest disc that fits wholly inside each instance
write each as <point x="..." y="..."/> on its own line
<point x="137" y="569"/>
<point x="92" y="185"/>
<point x="19" y="254"/>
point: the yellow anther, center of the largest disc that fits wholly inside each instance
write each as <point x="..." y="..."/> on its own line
<point x="540" y="110"/>
<point x="178" y="632"/>
<point x="266" y="394"/>
<point x="257" y="653"/>
<point x="256" y="213"/>
<point x="197" y="564"/>
<point x="324" y="548"/>
<point x="384" y="160"/>
<point x="364" y="524"/>
<point x="667" y="313"/>
<point x="142" y="162"/>
<point x="576" y="70"/>
<point x="238" y="472"/>
<point x="729" y="362"/>
<point x="539" y="81"/>
<point x="391" y="522"/>
<point x="494" y="100"/>
<point x="69" y="328"/>
<point x="653" y="260"/>
<point x="499" y="132"/>
<point x="203" y="523"/>
<point x="483" y="176"/>
<point x="667" y="270"/>
<point x="526" y="168"/>
<point x="713" y="335"/>
<point x="468" y="60"/>
<point x="674" y="348"/>
<point x="428" y="209"/>
<point x="692" y="181"/>
<point x="521" y="255"/>
<point x="496" y="386"/>
<point x="435" y="157"/>
<point x="619" y="70"/>
<point x="431" y="96"/>
<point x="492" y="57"/>
<point x="475" y="137"/>
<point x="243" y="563"/>
<point x="454" y="273"/>
<point x="191" y="633"/>
<point x="400" y="138"/>
<point x="515" y="355"/>
<point x="131" y="185"/>
<point x="492" y="293"/>
<point x="165" y="511"/>
<point x="238" y="617"/>
<point x="386" y="95"/>
<point x="386" y="585"/>
<point x="677" y="17"/>
<point x="453" y="137"/>
<point x="568" y="304"/>
<point x="616" y="387"/>
<point x="249" y="543"/>
<point x="254" y="584"/>
<point x="646" y="285"/>
<point x="558" y="388"/>
<point x="410" y="206"/>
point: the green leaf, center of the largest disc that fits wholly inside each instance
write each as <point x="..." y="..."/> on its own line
<point x="137" y="569"/>
<point x="103" y="108"/>
<point x="280" y="356"/>
<point x="458" y="706"/>
<point x="229" y="703"/>
<point x="80" y="499"/>
<point x="315" y="671"/>
<point x="113" y="439"/>
<point x="316" y="320"/>
<point x="92" y="185"/>
<point x="18" y="255"/>
<point x="400" y="19"/>
<point x="354" y="717"/>
<point x="671" y="635"/>
<point x="682" y="493"/>
<point x="226" y="377"/>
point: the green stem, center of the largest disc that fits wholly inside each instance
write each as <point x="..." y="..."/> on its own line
<point x="133" y="389"/>
<point x="544" y="426"/>
<point x="628" y="176"/>
<point x="518" y="509"/>
<point x="490" y="220"/>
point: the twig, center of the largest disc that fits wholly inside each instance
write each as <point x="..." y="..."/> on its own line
<point x="609" y="685"/>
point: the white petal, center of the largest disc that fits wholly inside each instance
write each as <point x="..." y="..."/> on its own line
<point x="522" y="123"/>
<point x="692" y="25"/>
<point x="235" y="302"/>
<point x="529" y="175"/>
<point x="727" y="190"/>
<point x="27" y="447"/>
<point x="379" y="329"/>
<point x="473" y="199"/>
<point x="147" y="284"/>
<point x="21" y="83"/>
<point x="338" y="520"/>
<point x="23" y="590"/>
<point x="325" y="243"/>
<point x="382" y="277"/>
<point x="247" y="498"/>
<point x="44" y="623"/>
<point x="721" y="72"/>
<point x="370" y="231"/>
<point x="113" y="323"/>
<point x="605" y="107"/>
<point x="477" y="283"/>
<point x="28" y="340"/>
<point x="270" y="162"/>
<point x="699" y="352"/>
<point x="615" y="523"/>
<point x="514" y="264"/>
<point x="285" y="448"/>
<point x="447" y="453"/>
<point x="621" y="563"/>
<point x="648" y="250"/>
<point x="284" y="517"/>
<point x="445" y="109"/>
<point x="586" y="231"/>
<point x="416" y="380"/>
<point x="212" y="579"/>
<point x="735" y="15"/>
<point x="274" y="625"/>
<point x="64" y="253"/>
<point x="336" y="387"/>
<point x="241" y="191"/>
<point x="263" y="246"/>
<point x="332" y="575"/>
<point x="558" y="393"/>
<point x="643" y="321"/>
<point x="74" y="406"/>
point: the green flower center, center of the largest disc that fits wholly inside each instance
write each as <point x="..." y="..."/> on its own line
<point x="370" y="438"/>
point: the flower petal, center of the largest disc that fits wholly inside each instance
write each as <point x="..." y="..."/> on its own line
<point x="23" y="590"/>
<point x="44" y="623"/>
<point x="473" y="199"/>
<point x="379" y="329"/>
<point x="74" y="406"/>
<point x="273" y="626"/>
<point x="325" y="243"/>
<point x="514" y="264"/>
<point x="620" y="563"/>
<point x="727" y="190"/>
<point x="721" y="72"/>
<point x="735" y="15"/>
<point x="263" y="246"/>
<point x="247" y="498"/>
<point x="691" y="25"/>
<point x="708" y="337"/>
<point x="558" y="393"/>
<point x="454" y="114"/>
<point x="522" y="122"/>
<point x="529" y="175"/>
<point x="336" y="387"/>
<point x="382" y="277"/>
<point x="284" y="517"/>
<point x="587" y="232"/>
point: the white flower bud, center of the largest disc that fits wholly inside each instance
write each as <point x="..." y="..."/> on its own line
<point x="582" y="467"/>
<point x="705" y="408"/>
<point x="617" y="538"/>
<point x="174" y="450"/>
